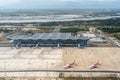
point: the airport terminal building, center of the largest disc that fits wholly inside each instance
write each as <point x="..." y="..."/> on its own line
<point x="48" y="39"/>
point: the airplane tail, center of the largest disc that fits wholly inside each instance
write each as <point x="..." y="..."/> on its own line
<point x="72" y="63"/>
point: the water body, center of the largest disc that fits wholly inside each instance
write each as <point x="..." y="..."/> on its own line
<point x="55" y="19"/>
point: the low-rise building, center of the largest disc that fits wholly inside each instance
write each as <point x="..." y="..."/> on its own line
<point x="87" y="35"/>
<point x="49" y="39"/>
<point x="97" y="40"/>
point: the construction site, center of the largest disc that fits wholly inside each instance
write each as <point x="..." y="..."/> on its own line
<point x="53" y="62"/>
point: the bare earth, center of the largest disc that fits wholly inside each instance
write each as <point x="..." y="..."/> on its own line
<point x="55" y="58"/>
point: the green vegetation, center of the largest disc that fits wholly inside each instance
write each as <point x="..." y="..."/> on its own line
<point x="5" y="30"/>
<point x="110" y="26"/>
<point x="42" y="12"/>
<point x="117" y="36"/>
<point x="111" y="29"/>
<point x="73" y="30"/>
<point x="43" y="30"/>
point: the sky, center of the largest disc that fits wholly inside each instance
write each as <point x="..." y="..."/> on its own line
<point x="59" y="4"/>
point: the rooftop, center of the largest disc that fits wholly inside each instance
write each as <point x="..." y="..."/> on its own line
<point x="89" y="35"/>
<point x="46" y="36"/>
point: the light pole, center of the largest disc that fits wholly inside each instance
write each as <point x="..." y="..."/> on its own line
<point x="47" y="69"/>
<point x="5" y="68"/>
<point x="29" y="67"/>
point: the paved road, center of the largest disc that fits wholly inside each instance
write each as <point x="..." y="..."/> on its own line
<point x="98" y="71"/>
<point x="107" y="38"/>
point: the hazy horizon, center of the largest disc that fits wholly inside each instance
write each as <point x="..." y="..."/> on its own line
<point x="59" y="4"/>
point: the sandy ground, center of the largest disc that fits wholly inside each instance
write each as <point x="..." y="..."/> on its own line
<point x="109" y="58"/>
<point x="56" y="58"/>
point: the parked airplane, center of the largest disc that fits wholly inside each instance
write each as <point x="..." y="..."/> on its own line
<point x="69" y="65"/>
<point x="95" y="65"/>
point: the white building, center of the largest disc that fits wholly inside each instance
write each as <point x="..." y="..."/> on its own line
<point x="87" y="35"/>
<point x="97" y="40"/>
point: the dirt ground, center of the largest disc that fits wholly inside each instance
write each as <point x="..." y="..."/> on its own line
<point x="109" y="58"/>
